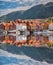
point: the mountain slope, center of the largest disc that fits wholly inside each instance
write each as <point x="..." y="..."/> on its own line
<point x="39" y="11"/>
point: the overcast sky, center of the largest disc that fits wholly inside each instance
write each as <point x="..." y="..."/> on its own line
<point x="7" y="6"/>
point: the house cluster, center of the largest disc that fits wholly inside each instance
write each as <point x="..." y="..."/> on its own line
<point x="34" y="32"/>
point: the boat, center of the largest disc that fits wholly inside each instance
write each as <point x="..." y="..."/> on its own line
<point x="33" y="32"/>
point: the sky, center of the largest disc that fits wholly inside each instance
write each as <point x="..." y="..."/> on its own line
<point x="7" y="6"/>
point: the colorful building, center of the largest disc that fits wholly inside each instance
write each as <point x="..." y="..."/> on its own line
<point x="35" y="32"/>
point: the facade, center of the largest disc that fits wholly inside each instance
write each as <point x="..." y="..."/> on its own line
<point x="27" y="32"/>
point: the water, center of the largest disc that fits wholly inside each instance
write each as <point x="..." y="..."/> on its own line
<point x="7" y="58"/>
<point x="12" y="55"/>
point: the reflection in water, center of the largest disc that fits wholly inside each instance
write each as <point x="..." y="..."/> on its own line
<point x="35" y="38"/>
<point x="37" y="53"/>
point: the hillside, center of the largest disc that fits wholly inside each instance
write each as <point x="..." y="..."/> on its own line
<point x="39" y="11"/>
